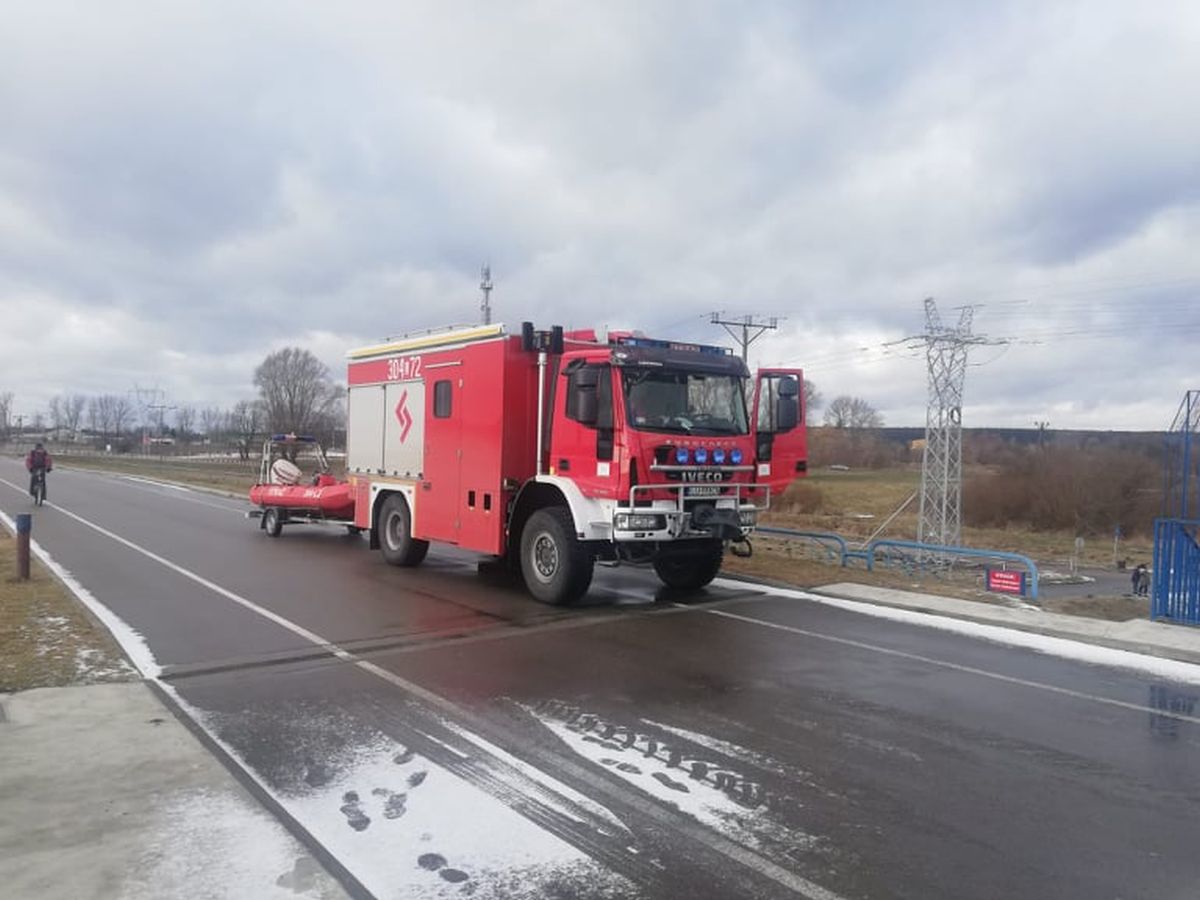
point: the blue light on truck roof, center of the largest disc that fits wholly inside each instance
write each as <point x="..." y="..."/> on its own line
<point x="674" y="345"/>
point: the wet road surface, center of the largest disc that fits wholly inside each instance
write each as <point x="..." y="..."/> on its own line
<point x="443" y="735"/>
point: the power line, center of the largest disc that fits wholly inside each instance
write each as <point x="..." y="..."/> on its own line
<point x="760" y="326"/>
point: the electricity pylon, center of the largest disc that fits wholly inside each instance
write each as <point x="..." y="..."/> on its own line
<point x="940" y="516"/>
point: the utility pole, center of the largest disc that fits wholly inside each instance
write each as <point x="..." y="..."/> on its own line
<point x="486" y="285"/>
<point x="760" y="324"/>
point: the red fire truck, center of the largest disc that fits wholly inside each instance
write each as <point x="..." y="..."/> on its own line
<point x="554" y="451"/>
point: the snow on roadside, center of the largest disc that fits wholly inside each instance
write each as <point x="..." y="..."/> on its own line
<point x="698" y="785"/>
<point x="215" y="844"/>
<point x="1079" y="651"/>
<point x="407" y="827"/>
<point x="129" y="639"/>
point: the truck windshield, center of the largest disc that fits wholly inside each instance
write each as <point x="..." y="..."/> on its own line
<point x="684" y="402"/>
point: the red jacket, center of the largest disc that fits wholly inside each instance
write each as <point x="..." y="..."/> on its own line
<point x="38" y="459"/>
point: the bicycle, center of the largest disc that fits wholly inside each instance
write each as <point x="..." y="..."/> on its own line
<point x="38" y="488"/>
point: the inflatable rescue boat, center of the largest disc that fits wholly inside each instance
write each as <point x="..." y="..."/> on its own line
<point x="325" y="496"/>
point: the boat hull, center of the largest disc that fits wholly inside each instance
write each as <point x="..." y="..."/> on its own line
<point x="335" y="501"/>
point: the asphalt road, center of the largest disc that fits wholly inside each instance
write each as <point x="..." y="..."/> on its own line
<point x="442" y="735"/>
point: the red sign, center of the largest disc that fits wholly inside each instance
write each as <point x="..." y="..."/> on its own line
<point x="404" y="417"/>
<point x="1003" y="581"/>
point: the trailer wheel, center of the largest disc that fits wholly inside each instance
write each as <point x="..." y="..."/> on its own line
<point x="556" y="566"/>
<point x="687" y="570"/>
<point x="396" y="542"/>
<point x="272" y="521"/>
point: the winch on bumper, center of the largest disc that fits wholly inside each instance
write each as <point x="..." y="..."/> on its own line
<point x="728" y="515"/>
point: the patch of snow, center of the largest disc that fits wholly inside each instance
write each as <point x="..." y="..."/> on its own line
<point x="717" y="796"/>
<point x="1094" y="654"/>
<point x="408" y="828"/>
<point x="214" y="844"/>
<point x="555" y="786"/>
<point x="762" y="760"/>
<point x="162" y="484"/>
<point x="129" y="639"/>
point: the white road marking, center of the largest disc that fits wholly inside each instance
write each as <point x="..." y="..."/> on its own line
<point x="730" y="849"/>
<point x="957" y="667"/>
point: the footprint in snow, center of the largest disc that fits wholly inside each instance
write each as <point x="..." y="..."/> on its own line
<point x="393" y="803"/>
<point x="353" y="811"/>
<point x="435" y="862"/>
<point x="405" y="756"/>
<point x="668" y="781"/>
<point x="417" y="778"/>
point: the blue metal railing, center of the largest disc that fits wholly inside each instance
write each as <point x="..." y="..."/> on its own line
<point x="821" y="538"/>
<point x="1176" y="595"/>
<point x="871" y="551"/>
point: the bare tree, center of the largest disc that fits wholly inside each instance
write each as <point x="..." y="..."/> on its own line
<point x="812" y="399"/>
<point x="72" y="410"/>
<point x="295" y="390"/>
<point x="245" y="421"/>
<point x="98" y="417"/>
<point x="185" y="420"/>
<point x="121" y="411"/>
<point x="852" y="412"/>
<point x="58" y="416"/>
<point x="212" y="421"/>
<point x="6" y="399"/>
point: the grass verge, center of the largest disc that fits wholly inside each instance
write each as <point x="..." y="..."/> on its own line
<point x="47" y="639"/>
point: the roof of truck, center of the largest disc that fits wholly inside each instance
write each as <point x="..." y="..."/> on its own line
<point x="457" y="334"/>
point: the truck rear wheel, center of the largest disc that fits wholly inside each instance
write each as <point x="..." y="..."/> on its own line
<point x="689" y="569"/>
<point x="396" y="542"/>
<point x="556" y="566"/>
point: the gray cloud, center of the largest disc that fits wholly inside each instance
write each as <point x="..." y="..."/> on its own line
<point x="184" y="189"/>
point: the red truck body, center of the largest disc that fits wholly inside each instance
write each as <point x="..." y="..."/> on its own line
<point x="650" y="451"/>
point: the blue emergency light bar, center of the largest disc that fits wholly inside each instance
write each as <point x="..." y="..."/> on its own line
<point x="673" y="345"/>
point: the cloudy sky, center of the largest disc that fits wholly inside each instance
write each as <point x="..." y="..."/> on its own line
<point x="185" y="187"/>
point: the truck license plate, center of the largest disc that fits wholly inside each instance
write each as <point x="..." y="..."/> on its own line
<point x="701" y="490"/>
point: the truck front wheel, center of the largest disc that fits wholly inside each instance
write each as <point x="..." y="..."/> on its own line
<point x="396" y="542"/>
<point x="689" y="569"/>
<point x="556" y="566"/>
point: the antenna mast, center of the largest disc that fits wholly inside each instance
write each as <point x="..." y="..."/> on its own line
<point x="485" y="285"/>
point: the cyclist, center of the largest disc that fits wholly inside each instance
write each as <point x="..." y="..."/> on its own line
<point x="37" y="461"/>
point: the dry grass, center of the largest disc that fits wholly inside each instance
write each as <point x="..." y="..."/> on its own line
<point x="854" y="504"/>
<point x="46" y="638"/>
<point x="233" y="476"/>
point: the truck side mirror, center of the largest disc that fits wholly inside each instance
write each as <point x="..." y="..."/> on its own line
<point x="787" y="405"/>
<point x="585" y="381"/>
<point x="588" y="406"/>
<point x="787" y="413"/>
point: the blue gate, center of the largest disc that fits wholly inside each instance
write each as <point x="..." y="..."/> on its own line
<point x="1176" y="571"/>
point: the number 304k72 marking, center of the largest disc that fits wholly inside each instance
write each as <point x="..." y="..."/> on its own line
<point x="404" y="368"/>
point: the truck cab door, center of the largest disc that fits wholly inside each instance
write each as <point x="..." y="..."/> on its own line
<point x="583" y="440"/>
<point x="780" y="440"/>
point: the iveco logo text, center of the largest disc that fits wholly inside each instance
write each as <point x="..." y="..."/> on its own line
<point x="701" y="475"/>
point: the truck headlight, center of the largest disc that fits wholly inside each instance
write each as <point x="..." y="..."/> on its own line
<point x="640" y="522"/>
